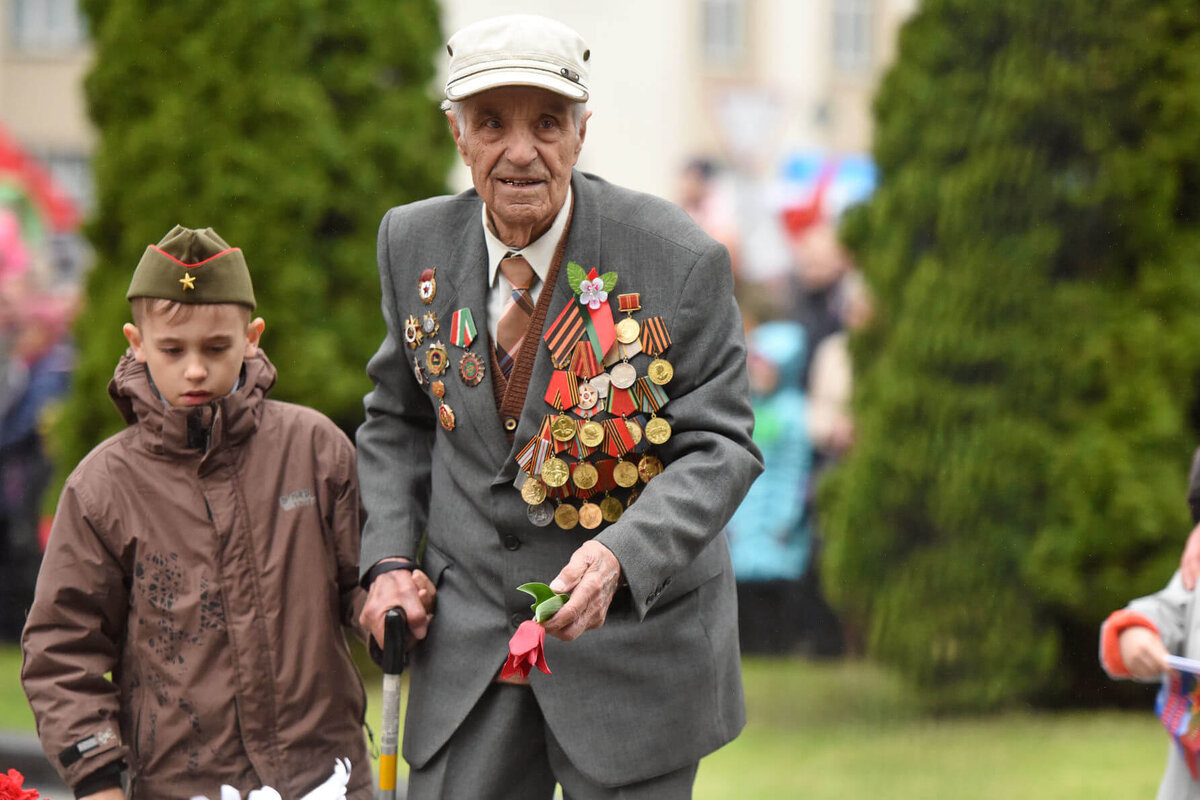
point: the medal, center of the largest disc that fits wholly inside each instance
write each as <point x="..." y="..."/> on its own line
<point x="462" y="328"/>
<point x="412" y="332"/>
<point x="566" y="517"/>
<point x="632" y="496"/>
<point x="533" y="491"/>
<point x="649" y="467"/>
<point x="611" y="509"/>
<point x="446" y="416"/>
<point x="541" y="514"/>
<point x="555" y="471"/>
<point x="585" y="475"/>
<point x="590" y="516"/>
<point x="563" y="428"/>
<point x="589" y="395"/>
<point x="470" y="368"/>
<point x="439" y="389"/>
<point x="427" y="286"/>
<point x="436" y="358"/>
<point x="591" y="433"/>
<point x="625" y="474"/>
<point x="429" y="324"/>
<point x="622" y="375"/>
<point x="418" y="371"/>
<point x="635" y="431"/>
<point x="658" y="430"/>
<point x="660" y="371"/>
<point x="628" y="331"/>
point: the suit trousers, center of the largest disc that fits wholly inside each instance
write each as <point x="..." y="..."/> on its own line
<point x="504" y="750"/>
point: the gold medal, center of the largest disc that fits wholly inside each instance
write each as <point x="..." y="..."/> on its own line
<point x="625" y="474"/>
<point x="590" y="516"/>
<point x="533" y="491"/>
<point x="635" y="431"/>
<point x="412" y="332"/>
<point x="591" y="433"/>
<point x="555" y="472"/>
<point x="439" y="389"/>
<point x="660" y="371"/>
<point x="563" y="428"/>
<point x="628" y="330"/>
<point x="611" y="509"/>
<point x="649" y="467"/>
<point x="566" y="517"/>
<point x="585" y="476"/>
<point x="436" y="358"/>
<point x="658" y="430"/>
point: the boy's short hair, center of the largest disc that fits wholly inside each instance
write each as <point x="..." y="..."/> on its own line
<point x="193" y="265"/>
<point x="172" y="310"/>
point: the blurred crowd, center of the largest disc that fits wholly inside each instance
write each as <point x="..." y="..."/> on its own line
<point x="798" y="314"/>
<point x="35" y="365"/>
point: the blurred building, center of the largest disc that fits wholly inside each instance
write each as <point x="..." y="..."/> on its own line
<point x="745" y="82"/>
<point x="43" y="60"/>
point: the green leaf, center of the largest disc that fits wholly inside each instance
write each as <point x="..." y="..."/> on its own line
<point x="546" y="609"/>
<point x="610" y="280"/>
<point x="575" y="275"/>
<point x="539" y="591"/>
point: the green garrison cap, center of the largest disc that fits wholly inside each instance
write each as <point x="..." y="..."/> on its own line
<point x="193" y="265"/>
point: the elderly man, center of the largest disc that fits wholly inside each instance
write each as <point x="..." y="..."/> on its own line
<point x="593" y="429"/>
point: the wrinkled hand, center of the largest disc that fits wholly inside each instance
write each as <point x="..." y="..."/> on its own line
<point x="591" y="578"/>
<point x="1189" y="564"/>
<point x="409" y="589"/>
<point x="1143" y="652"/>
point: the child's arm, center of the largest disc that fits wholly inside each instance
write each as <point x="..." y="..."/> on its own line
<point x="1135" y="640"/>
<point x="71" y="645"/>
<point x="345" y="522"/>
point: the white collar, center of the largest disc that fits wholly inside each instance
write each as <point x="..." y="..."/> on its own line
<point x="539" y="253"/>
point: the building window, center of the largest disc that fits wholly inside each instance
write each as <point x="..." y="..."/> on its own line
<point x="852" y="34"/>
<point x="724" y="32"/>
<point x="71" y="171"/>
<point x="47" y="24"/>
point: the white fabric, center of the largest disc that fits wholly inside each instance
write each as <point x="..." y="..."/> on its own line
<point x="334" y="788"/>
<point x="539" y="253"/>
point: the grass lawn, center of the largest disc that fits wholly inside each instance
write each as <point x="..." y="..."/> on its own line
<point x="848" y="730"/>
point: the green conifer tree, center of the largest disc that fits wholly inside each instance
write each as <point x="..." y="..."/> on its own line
<point x="289" y="126"/>
<point x="1026" y="398"/>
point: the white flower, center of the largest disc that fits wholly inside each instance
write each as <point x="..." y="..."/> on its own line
<point x="591" y="293"/>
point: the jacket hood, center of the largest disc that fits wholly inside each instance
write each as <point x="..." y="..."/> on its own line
<point x="210" y="429"/>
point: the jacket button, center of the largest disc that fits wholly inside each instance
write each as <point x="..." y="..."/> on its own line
<point x="510" y="424"/>
<point x="512" y="542"/>
<point x="516" y="620"/>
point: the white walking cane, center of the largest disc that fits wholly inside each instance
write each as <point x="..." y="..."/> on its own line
<point x="395" y="628"/>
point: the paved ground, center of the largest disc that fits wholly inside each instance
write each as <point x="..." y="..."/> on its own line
<point x="23" y="753"/>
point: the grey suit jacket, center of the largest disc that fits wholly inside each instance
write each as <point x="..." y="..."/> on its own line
<point x="659" y="685"/>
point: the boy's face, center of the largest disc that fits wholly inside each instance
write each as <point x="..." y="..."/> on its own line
<point x="195" y="356"/>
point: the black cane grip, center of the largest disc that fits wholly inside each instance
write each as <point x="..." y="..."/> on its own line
<point x="395" y="632"/>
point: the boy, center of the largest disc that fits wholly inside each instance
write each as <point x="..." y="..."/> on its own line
<point x="1134" y="643"/>
<point x="187" y="624"/>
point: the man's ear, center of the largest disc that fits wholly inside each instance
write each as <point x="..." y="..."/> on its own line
<point x="135" y="341"/>
<point x="582" y="134"/>
<point x="254" y="331"/>
<point x="452" y="118"/>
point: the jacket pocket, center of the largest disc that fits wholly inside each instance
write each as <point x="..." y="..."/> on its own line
<point x="434" y="563"/>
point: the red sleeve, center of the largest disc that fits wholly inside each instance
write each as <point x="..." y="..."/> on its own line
<point x="1110" y="632"/>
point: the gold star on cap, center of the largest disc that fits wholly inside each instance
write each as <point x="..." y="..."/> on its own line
<point x="188" y="282"/>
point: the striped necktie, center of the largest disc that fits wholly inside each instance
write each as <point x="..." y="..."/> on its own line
<point x="510" y="329"/>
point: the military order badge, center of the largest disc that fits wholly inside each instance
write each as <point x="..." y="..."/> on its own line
<point x="427" y="286"/>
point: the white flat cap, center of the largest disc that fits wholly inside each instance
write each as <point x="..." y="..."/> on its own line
<point x="517" y="50"/>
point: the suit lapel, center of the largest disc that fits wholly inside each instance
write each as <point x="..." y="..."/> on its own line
<point x="468" y="271"/>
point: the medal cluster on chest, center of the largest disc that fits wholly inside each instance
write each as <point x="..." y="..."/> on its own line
<point x="431" y="364"/>
<point x="595" y="449"/>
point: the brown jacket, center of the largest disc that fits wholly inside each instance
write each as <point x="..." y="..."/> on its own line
<point x="208" y="559"/>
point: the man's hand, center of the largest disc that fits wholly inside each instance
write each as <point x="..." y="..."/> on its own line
<point x="1143" y="652"/>
<point x="1189" y="565"/>
<point x="591" y="577"/>
<point x="409" y="589"/>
